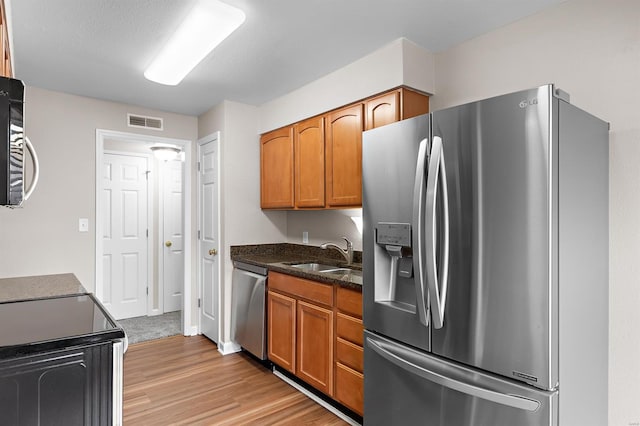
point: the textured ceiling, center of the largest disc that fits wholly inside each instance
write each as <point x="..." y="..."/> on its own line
<point x="100" y="48"/>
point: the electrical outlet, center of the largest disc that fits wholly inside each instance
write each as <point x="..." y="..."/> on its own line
<point x="305" y="237"/>
<point x="83" y="224"/>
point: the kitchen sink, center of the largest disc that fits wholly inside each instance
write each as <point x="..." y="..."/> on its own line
<point x="315" y="267"/>
<point x="348" y="274"/>
<point x="337" y="271"/>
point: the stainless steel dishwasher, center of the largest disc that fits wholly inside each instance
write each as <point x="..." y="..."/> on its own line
<point x="248" y="315"/>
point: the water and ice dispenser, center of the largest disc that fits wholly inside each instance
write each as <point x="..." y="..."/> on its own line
<point x="394" y="284"/>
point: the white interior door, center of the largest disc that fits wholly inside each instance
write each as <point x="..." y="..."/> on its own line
<point x="172" y="244"/>
<point x="209" y="263"/>
<point x="124" y="228"/>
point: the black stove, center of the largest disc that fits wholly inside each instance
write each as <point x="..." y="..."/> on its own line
<point x="30" y="326"/>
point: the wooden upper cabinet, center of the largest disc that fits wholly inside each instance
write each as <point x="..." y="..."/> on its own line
<point x="397" y="105"/>
<point x="382" y="110"/>
<point x="276" y="169"/>
<point x="309" y="162"/>
<point x="412" y="103"/>
<point x="317" y="163"/>
<point x="344" y="156"/>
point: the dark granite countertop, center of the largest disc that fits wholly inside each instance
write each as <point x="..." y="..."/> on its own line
<point x="281" y="257"/>
<point x="39" y="286"/>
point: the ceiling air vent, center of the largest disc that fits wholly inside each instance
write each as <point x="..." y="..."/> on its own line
<point x="154" y="123"/>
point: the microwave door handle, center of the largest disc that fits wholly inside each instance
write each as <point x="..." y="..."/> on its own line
<point x="437" y="181"/>
<point x="36" y="169"/>
<point x="410" y="362"/>
<point x="417" y="235"/>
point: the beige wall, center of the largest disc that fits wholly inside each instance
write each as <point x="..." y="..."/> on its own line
<point x="324" y="226"/>
<point x="42" y="237"/>
<point x="400" y="62"/>
<point x="242" y="220"/>
<point x="591" y="49"/>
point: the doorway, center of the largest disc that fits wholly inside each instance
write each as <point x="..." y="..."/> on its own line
<point x="163" y="284"/>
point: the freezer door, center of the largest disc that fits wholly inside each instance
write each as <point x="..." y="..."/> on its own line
<point x="405" y="386"/>
<point x="394" y="160"/>
<point x="501" y="293"/>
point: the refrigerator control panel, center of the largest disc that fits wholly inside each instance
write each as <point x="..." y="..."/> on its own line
<point x="397" y="234"/>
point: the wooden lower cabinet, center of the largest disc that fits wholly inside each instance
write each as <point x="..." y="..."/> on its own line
<point x="349" y="366"/>
<point x="301" y="328"/>
<point x="349" y="354"/>
<point x="282" y="330"/>
<point x="315" y="346"/>
<point x="315" y="332"/>
<point x="350" y="388"/>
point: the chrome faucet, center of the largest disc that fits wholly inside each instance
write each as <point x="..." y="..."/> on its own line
<point x="348" y="253"/>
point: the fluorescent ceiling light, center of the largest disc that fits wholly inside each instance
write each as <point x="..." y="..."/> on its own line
<point x="208" y="23"/>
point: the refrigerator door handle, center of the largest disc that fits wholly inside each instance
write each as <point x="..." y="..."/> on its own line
<point x="417" y="235"/>
<point x="410" y="363"/>
<point x="437" y="287"/>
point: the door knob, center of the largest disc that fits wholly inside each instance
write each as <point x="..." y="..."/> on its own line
<point x="168" y="243"/>
<point x="213" y="252"/>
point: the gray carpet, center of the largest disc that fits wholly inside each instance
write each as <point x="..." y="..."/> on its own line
<point x="140" y="329"/>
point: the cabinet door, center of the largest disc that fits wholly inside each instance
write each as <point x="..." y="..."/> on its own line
<point x="350" y="388"/>
<point x="383" y="109"/>
<point x="276" y="169"/>
<point x="282" y="330"/>
<point x="315" y="346"/>
<point x="309" y="162"/>
<point x="344" y="157"/>
<point x="413" y="103"/>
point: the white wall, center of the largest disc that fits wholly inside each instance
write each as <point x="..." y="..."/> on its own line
<point x="398" y="63"/>
<point x="591" y="49"/>
<point x="324" y="226"/>
<point x="243" y="222"/>
<point x="42" y="237"/>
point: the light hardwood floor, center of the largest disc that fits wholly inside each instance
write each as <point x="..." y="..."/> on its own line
<point x="185" y="381"/>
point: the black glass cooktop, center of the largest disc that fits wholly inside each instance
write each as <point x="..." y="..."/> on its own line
<point x="42" y="324"/>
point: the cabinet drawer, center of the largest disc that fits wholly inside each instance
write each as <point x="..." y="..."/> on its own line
<point x="349" y="301"/>
<point x="301" y="288"/>
<point x="350" y="329"/>
<point x="349" y="354"/>
<point x="349" y="388"/>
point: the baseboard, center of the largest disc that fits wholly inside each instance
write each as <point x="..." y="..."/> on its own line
<point x="317" y="399"/>
<point x="226" y="348"/>
<point x="191" y="331"/>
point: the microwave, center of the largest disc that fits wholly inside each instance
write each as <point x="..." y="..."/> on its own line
<point x="13" y="144"/>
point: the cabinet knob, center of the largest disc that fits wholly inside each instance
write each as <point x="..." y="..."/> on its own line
<point x="168" y="243"/>
<point x="213" y="252"/>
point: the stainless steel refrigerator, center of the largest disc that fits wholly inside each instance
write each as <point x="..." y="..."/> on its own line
<point x="486" y="265"/>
